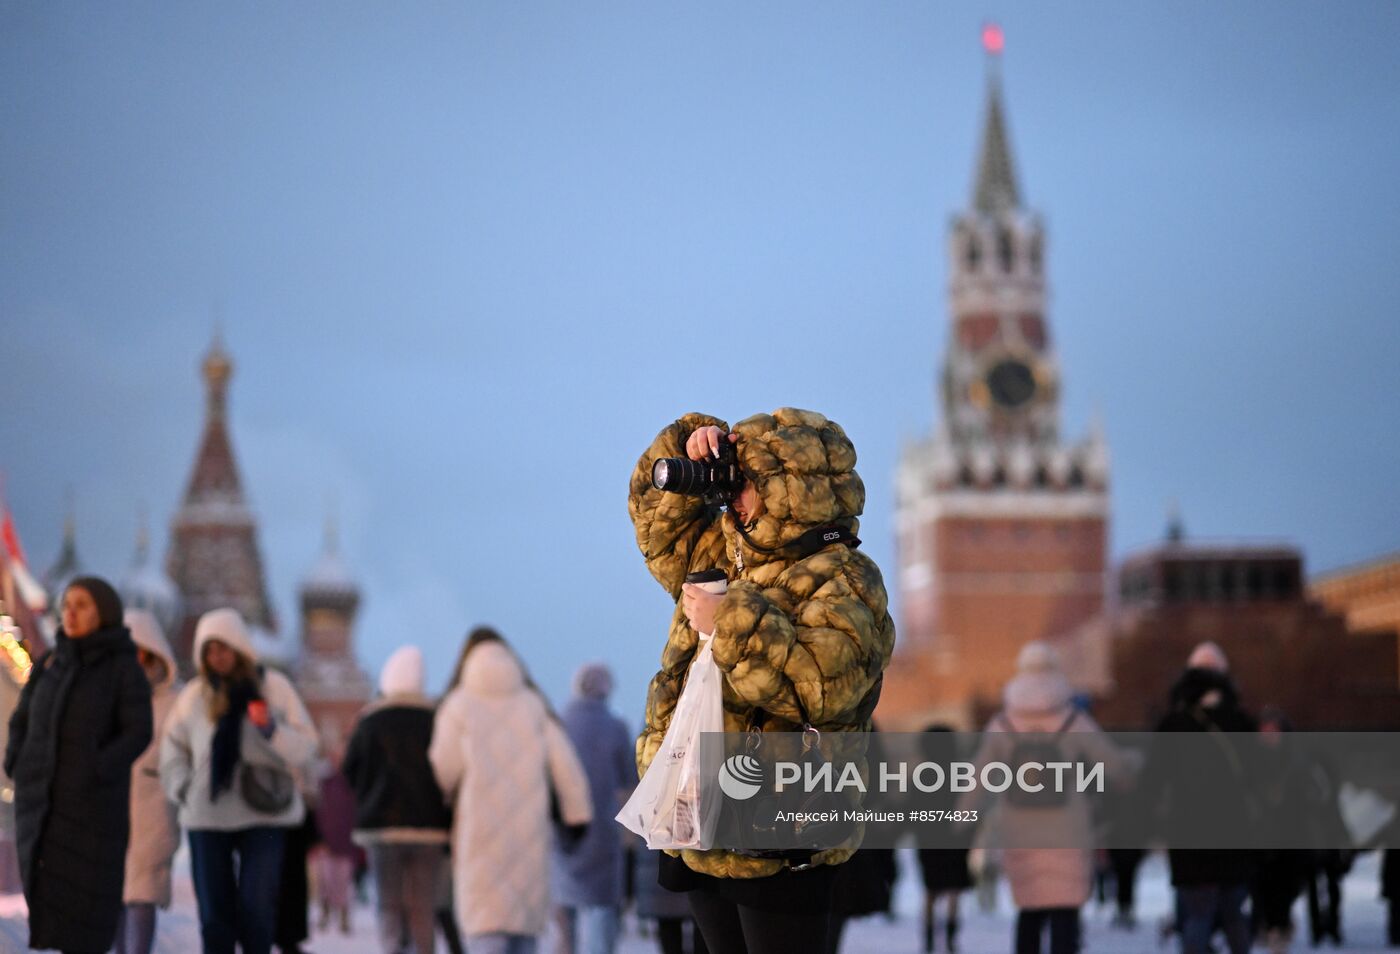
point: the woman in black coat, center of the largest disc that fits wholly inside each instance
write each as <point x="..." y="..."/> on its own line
<point x="83" y="719"/>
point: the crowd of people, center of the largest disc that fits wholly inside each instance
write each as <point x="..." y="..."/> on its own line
<point x="485" y="817"/>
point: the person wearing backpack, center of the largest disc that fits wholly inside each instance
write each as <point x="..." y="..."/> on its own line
<point x="1039" y="722"/>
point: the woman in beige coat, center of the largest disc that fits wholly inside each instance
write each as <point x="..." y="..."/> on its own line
<point x="155" y="831"/>
<point x="497" y="753"/>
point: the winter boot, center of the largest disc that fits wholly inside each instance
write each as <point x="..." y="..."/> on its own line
<point x="928" y="935"/>
<point x="950" y="934"/>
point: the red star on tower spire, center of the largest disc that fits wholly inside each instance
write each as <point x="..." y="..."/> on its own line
<point x="993" y="40"/>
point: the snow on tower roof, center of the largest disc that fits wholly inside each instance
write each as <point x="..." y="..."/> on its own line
<point x="330" y="574"/>
<point x="145" y="585"/>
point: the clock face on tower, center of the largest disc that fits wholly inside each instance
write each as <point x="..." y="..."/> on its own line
<point x="1011" y="383"/>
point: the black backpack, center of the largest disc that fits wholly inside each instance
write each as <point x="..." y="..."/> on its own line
<point x="1043" y="748"/>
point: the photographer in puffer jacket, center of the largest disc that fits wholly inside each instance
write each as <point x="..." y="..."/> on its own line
<point x="803" y="629"/>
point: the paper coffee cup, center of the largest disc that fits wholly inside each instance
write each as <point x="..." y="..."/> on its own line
<point x="711" y="581"/>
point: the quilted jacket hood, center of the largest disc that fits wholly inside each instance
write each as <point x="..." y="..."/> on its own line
<point x="804" y="469"/>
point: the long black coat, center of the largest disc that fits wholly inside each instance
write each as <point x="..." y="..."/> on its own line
<point x="1202" y="795"/>
<point x="83" y="719"/>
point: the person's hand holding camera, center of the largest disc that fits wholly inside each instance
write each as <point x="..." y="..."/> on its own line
<point x="703" y="442"/>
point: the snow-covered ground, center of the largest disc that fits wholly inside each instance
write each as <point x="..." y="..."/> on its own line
<point x="982" y="932"/>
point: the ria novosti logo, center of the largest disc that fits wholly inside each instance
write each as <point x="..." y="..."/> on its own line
<point x="740" y="777"/>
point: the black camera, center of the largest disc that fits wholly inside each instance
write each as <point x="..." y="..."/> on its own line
<point x="717" y="479"/>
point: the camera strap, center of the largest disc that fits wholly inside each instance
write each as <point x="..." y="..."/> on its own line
<point x="819" y="538"/>
<point x="813" y="541"/>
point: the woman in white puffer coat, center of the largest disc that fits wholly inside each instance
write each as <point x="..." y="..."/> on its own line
<point x="497" y="752"/>
<point x="155" y="831"/>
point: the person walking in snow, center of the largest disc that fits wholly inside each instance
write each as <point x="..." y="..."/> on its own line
<point x="588" y="876"/>
<point x="333" y="860"/>
<point x="1048" y="884"/>
<point x="500" y="757"/>
<point x="237" y="739"/>
<point x="1212" y="884"/>
<point x="155" y="831"/>
<point x="942" y="863"/>
<point x="83" y="718"/>
<point x="401" y="818"/>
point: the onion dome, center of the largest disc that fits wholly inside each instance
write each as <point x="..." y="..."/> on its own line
<point x="145" y="585"/>
<point x="329" y="580"/>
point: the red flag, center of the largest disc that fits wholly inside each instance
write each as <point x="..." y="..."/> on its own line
<point x="29" y="589"/>
<point x="11" y="536"/>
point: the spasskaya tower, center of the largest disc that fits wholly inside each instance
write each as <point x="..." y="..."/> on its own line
<point x="1002" y="524"/>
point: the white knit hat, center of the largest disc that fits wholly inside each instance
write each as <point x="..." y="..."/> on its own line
<point x="1037" y="657"/>
<point x="1208" y="655"/>
<point x="403" y="672"/>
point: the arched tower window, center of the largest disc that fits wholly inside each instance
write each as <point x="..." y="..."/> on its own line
<point x="1005" y="252"/>
<point x="974" y="253"/>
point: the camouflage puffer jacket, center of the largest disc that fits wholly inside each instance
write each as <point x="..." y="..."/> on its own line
<point x="815" y="629"/>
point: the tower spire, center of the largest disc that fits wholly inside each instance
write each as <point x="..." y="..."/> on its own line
<point x="215" y="474"/>
<point x="213" y="558"/>
<point x="1176" y="527"/>
<point x="67" y="565"/>
<point x="331" y="536"/>
<point x="217" y="369"/>
<point x="995" y="190"/>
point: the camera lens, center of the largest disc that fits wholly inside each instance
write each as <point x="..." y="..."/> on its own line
<point x="680" y="476"/>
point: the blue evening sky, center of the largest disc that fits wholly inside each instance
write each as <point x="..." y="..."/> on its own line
<point x="470" y="257"/>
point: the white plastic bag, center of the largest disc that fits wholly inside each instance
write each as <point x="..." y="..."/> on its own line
<point x="1364" y="813"/>
<point x="675" y="805"/>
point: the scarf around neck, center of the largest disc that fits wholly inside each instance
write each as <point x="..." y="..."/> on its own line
<point x="225" y="753"/>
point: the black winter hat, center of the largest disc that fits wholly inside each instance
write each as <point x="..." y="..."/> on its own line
<point x="109" y="604"/>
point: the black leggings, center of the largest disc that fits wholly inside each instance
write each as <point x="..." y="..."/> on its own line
<point x="730" y="928"/>
<point x="1062" y="922"/>
<point x="670" y="935"/>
